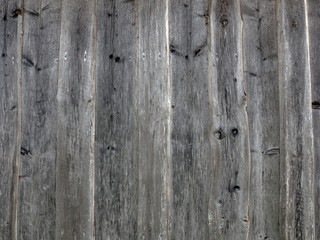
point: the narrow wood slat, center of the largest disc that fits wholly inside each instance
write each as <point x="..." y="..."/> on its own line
<point x="75" y="116"/>
<point x="10" y="115"/>
<point x="228" y="206"/>
<point x="296" y="132"/>
<point x="152" y="104"/>
<point x="116" y="172"/>
<point x="313" y="7"/>
<point x="40" y="51"/>
<point x="191" y="154"/>
<point x="260" y="73"/>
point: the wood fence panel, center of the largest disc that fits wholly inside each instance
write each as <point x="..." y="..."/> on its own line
<point x="147" y="119"/>
<point x="37" y="185"/>
<point x="10" y="115"/>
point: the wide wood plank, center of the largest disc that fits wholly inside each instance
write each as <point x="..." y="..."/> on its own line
<point x="152" y="108"/>
<point x="191" y="154"/>
<point x="296" y="132"/>
<point x="116" y="174"/>
<point x="10" y="115"/>
<point x="228" y="206"/>
<point x="37" y="186"/>
<point x="75" y="127"/>
<point x="260" y="74"/>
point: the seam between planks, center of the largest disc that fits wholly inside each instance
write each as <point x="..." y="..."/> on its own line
<point x="309" y="82"/>
<point x="244" y="86"/>
<point x="57" y="116"/>
<point x="169" y="135"/>
<point x="14" y="223"/>
<point x="93" y="118"/>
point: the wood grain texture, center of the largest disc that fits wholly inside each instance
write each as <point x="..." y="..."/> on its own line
<point x="313" y="8"/>
<point x="10" y="116"/>
<point x="146" y="119"/>
<point x="296" y="132"/>
<point x="75" y="116"/>
<point x="37" y="182"/>
<point x="116" y="172"/>
<point x="191" y="153"/>
<point x="152" y="107"/>
<point x="260" y="74"/>
<point x="229" y="140"/>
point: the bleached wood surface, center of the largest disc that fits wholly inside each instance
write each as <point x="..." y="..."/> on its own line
<point x="171" y="119"/>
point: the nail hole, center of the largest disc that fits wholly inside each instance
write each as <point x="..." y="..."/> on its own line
<point x="111" y="56"/>
<point x="236" y="188"/>
<point x="224" y="21"/>
<point x="117" y="59"/>
<point x="219" y="135"/>
<point x="235" y="132"/>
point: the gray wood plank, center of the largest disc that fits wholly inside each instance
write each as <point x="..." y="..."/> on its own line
<point x="313" y="8"/>
<point x="191" y="154"/>
<point x="116" y="174"/>
<point x="152" y="106"/>
<point x="10" y="115"/>
<point x="260" y="74"/>
<point x="40" y="54"/>
<point x="296" y="132"/>
<point x="76" y="123"/>
<point x="228" y="206"/>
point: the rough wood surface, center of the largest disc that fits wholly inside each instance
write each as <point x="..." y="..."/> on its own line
<point x="9" y="117"/>
<point x="37" y="182"/>
<point x="260" y="73"/>
<point x="191" y="153"/>
<point x="75" y="116"/>
<point x="229" y="206"/>
<point x="296" y="134"/>
<point x="146" y="119"/>
<point x="116" y="180"/>
<point x="313" y="8"/>
<point x="152" y="125"/>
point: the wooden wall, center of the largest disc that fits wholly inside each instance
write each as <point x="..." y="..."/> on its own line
<point x="159" y="119"/>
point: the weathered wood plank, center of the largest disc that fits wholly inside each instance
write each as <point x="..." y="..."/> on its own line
<point x="10" y="115"/>
<point x="37" y="185"/>
<point x="313" y="7"/>
<point x="228" y="206"/>
<point x="152" y="106"/>
<point x="191" y="155"/>
<point x="296" y="134"/>
<point x="75" y="127"/>
<point x="116" y="174"/>
<point x="260" y="74"/>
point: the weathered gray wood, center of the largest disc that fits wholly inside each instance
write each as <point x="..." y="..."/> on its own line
<point x="296" y="134"/>
<point x="37" y="186"/>
<point x="260" y="74"/>
<point x="76" y="123"/>
<point x="152" y="107"/>
<point x="313" y="7"/>
<point x="228" y="206"/>
<point x="191" y="154"/>
<point x="10" y="115"/>
<point x="116" y="172"/>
